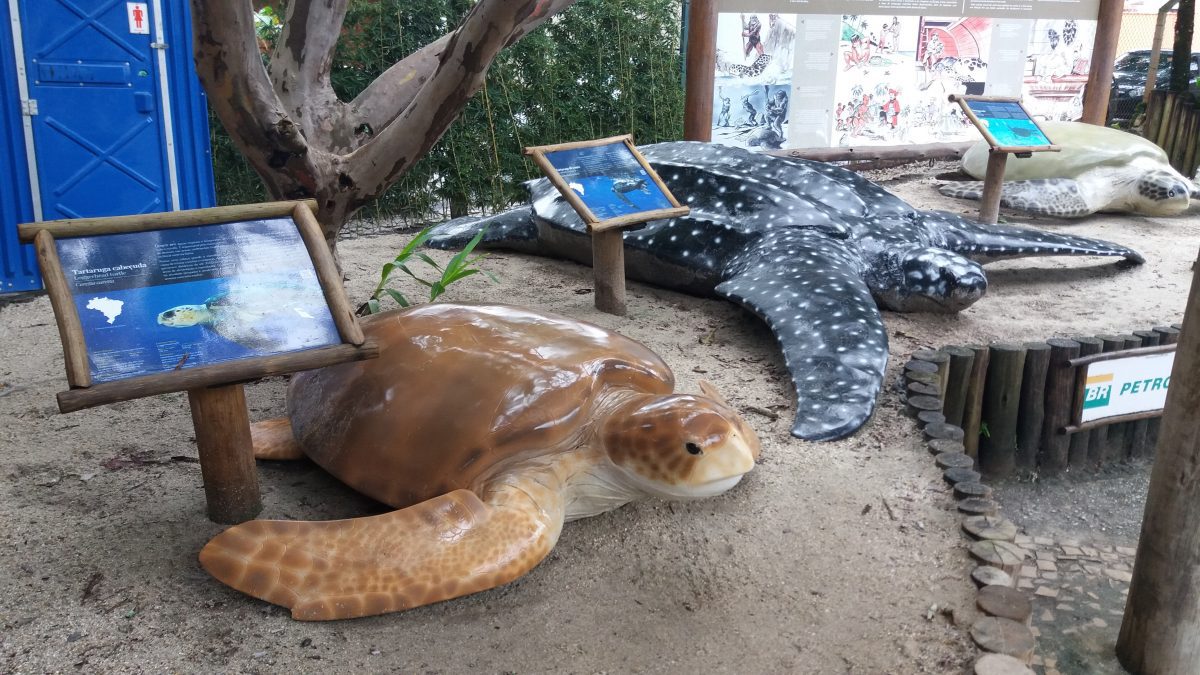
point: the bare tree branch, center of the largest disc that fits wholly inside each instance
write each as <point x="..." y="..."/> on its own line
<point x="463" y="63"/>
<point x="239" y="91"/>
<point x="301" y="63"/>
<point x="389" y="94"/>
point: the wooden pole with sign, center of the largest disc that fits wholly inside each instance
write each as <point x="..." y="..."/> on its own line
<point x="1161" y="629"/>
<point x="979" y="111"/>
<point x="215" y="392"/>
<point x="608" y="243"/>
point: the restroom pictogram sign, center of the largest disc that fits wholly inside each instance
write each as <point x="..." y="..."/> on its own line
<point x="139" y="18"/>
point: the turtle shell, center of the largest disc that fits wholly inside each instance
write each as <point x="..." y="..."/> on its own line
<point x="275" y="316"/>
<point x="459" y="393"/>
<point x="1084" y="147"/>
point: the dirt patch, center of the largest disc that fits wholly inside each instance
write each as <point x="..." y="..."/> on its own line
<point x="801" y="568"/>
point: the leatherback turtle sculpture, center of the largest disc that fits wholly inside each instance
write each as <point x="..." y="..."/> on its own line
<point x="487" y="427"/>
<point x="1098" y="169"/>
<point x="808" y="247"/>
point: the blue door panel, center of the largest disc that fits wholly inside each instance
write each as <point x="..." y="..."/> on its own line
<point x="99" y="132"/>
<point x="98" y="129"/>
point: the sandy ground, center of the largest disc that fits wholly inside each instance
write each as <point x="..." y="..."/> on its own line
<point x="799" y="569"/>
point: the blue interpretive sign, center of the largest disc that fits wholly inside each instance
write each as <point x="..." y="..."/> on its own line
<point x="166" y="300"/>
<point x="609" y="180"/>
<point x="1008" y="124"/>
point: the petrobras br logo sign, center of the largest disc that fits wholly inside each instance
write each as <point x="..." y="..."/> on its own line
<point x="1126" y="386"/>
<point x="1097" y="391"/>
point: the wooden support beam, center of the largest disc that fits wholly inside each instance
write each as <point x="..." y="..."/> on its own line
<point x="1077" y="453"/>
<point x="1032" y="411"/>
<point x="1060" y="391"/>
<point x="962" y="361"/>
<point x="1104" y="53"/>
<point x="608" y="270"/>
<point x="701" y="70"/>
<point x="989" y="203"/>
<point x="973" y="410"/>
<point x="222" y="426"/>
<point x="1161" y="629"/>
<point x="1001" y="401"/>
<point x="1140" y="444"/>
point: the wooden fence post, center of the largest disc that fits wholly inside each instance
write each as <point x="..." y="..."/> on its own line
<point x="1141" y="428"/>
<point x="961" y="362"/>
<point x="1032" y="411"/>
<point x="1077" y="454"/>
<point x="1060" y="395"/>
<point x="1001" y="401"/>
<point x="1160" y="633"/>
<point x="1102" y="449"/>
<point x="973" y="410"/>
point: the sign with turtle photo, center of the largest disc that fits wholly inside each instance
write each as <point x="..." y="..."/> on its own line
<point x="166" y="300"/>
<point x="607" y="182"/>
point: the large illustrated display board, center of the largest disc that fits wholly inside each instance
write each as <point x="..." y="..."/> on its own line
<point x="169" y="302"/>
<point x="1005" y="124"/>
<point x="819" y="73"/>
<point x="607" y="182"/>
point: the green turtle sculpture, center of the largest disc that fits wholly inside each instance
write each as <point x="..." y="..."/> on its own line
<point x="487" y="427"/>
<point x="1098" y="169"/>
<point x="260" y="316"/>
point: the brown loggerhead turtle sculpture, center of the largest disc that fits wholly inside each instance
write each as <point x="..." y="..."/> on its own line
<point x="487" y="427"/>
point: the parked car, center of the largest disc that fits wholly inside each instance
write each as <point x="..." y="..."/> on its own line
<point x="1129" y="81"/>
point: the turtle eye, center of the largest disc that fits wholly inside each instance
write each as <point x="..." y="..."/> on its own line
<point x="693" y="449"/>
<point x="169" y="314"/>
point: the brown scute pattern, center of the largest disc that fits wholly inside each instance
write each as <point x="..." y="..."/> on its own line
<point x="459" y="390"/>
<point x="444" y="548"/>
<point x="651" y="435"/>
<point x="273" y="439"/>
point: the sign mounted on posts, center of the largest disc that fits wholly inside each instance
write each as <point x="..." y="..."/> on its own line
<point x="197" y="301"/>
<point x="1126" y="386"/>
<point x="167" y="302"/>
<point x="610" y="185"/>
<point x="1005" y="124"/>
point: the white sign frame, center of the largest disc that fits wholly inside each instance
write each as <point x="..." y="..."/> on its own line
<point x="1121" y="386"/>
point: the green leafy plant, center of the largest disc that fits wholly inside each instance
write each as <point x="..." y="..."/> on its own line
<point x="461" y="266"/>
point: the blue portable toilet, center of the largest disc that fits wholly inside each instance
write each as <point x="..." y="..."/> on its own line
<point x="101" y="114"/>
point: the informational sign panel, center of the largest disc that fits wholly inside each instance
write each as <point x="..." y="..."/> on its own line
<point x="168" y="300"/>
<point x="1005" y="123"/>
<point x="830" y="73"/>
<point x="607" y="181"/>
<point x="1126" y="386"/>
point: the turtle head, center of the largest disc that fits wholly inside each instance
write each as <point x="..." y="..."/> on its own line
<point x="1162" y="193"/>
<point x="184" y="316"/>
<point x="927" y="279"/>
<point x="679" y="446"/>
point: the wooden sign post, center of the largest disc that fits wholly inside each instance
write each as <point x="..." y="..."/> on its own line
<point x="611" y="186"/>
<point x="197" y="301"/>
<point x="1007" y="128"/>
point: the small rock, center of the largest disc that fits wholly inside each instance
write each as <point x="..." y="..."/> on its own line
<point x="1001" y="664"/>
<point x="986" y="575"/>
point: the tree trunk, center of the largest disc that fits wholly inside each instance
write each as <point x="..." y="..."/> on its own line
<point x="1160" y="633"/>
<point x="303" y="141"/>
<point x="1181" y="59"/>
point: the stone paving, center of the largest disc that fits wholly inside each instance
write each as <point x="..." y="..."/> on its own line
<point x="1078" y="592"/>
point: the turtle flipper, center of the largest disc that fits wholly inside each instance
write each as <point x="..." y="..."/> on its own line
<point x="816" y="302"/>
<point x="1060" y="197"/>
<point x="273" y="439"/>
<point x="439" y="549"/>
<point x="986" y="243"/>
